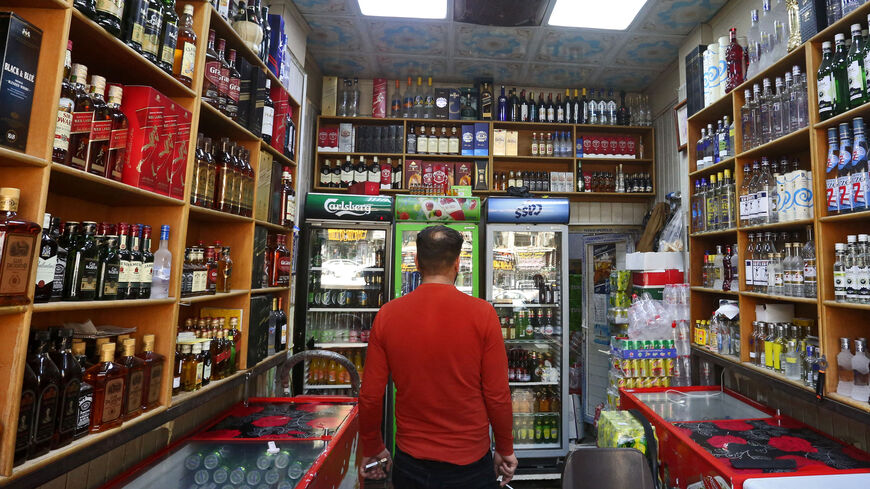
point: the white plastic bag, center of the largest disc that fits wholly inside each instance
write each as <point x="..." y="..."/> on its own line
<point x="671" y="238"/>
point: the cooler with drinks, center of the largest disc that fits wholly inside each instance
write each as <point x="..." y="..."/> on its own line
<point x="415" y="212"/>
<point x="526" y="273"/>
<point x="345" y="248"/>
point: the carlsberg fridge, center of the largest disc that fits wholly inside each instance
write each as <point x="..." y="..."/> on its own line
<point x="526" y="282"/>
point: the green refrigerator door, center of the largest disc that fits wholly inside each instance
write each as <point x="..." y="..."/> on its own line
<point x="407" y="277"/>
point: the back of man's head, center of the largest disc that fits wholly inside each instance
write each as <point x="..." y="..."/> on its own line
<point x="438" y="248"/>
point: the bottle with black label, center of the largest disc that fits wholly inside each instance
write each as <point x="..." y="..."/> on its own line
<point x="268" y="114"/>
<point x="168" y="37"/>
<point x="86" y="7"/>
<point x="83" y="265"/>
<point x="47" y="261"/>
<point x="135" y="274"/>
<point x="64" y="243"/>
<point x="86" y="391"/>
<point x="133" y="24"/>
<point x="153" y="28"/>
<point x="108" y="15"/>
<point x="485" y="102"/>
<point x="147" y="273"/>
<point x="26" y="415"/>
<point x="374" y="175"/>
<point x="110" y="270"/>
<point x="360" y="171"/>
<point x="70" y="386"/>
<point x="325" y="174"/>
<point x="336" y="175"/>
<point x="47" y="393"/>
<point x="346" y="173"/>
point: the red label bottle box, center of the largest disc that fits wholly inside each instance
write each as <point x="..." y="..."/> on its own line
<point x="144" y="108"/>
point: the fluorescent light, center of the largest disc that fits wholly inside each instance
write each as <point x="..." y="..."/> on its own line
<point x="594" y="14"/>
<point x="416" y="9"/>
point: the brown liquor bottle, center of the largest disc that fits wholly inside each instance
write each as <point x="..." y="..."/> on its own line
<point x="188" y="369"/>
<point x="249" y="184"/>
<point x="211" y="83"/>
<point x="82" y="120"/>
<point x="225" y="271"/>
<point x="185" y="48"/>
<point x="65" y="108"/>
<point x="223" y="92"/>
<point x="211" y="269"/>
<point x="135" y="380"/>
<point x="101" y="129"/>
<point x="109" y="381"/>
<point x="211" y="168"/>
<point x="26" y="415"/>
<point x="47" y="394"/>
<point x="118" y="138"/>
<point x="233" y="87"/>
<point x="17" y="246"/>
<point x="287" y="198"/>
<point x="177" y="370"/>
<point x="224" y="178"/>
<point x="199" y="173"/>
<point x="154" y="364"/>
<point x="282" y="263"/>
<point x="237" y="180"/>
<point x="70" y="387"/>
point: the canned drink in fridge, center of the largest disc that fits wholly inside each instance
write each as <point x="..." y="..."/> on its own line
<point x="629" y="383"/>
<point x="656" y="382"/>
<point x="656" y="367"/>
<point x="666" y="381"/>
<point x="635" y="367"/>
<point x="625" y="366"/>
<point x="644" y="368"/>
<point x="669" y="366"/>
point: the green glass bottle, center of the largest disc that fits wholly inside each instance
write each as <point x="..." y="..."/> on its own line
<point x="825" y="83"/>
<point x="855" y="71"/>
<point x="168" y="36"/>
<point x="841" y="78"/>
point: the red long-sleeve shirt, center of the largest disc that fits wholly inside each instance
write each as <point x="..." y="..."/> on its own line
<point x="446" y="355"/>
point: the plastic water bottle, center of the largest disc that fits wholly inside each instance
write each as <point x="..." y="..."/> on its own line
<point x="162" y="266"/>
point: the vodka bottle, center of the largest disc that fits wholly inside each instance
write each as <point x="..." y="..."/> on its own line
<point x="840" y="272"/>
<point x="602" y="109"/>
<point x="862" y="263"/>
<point x="754" y="37"/>
<point x="788" y="266"/>
<point x="743" y="198"/>
<point x="749" y="263"/>
<point x="776" y="111"/>
<point x="709" y="149"/>
<point x="766" y="191"/>
<point x="696" y="212"/>
<point x="851" y="269"/>
<point x="726" y="148"/>
<point x="844" y="166"/>
<point x="808" y="255"/>
<point x="865" y="60"/>
<point x="858" y="171"/>
<point x="700" y="161"/>
<point x="753" y="203"/>
<point x="756" y="115"/>
<point x="856" y="78"/>
<point x="727" y="204"/>
<point x="861" y="372"/>
<point x="785" y="106"/>
<point x="832" y="194"/>
<point x="841" y="78"/>
<point x="798" y="278"/>
<point x="799" y="110"/>
<point x="765" y="26"/>
<point x="825" y="82"/>
<point x="612" y="106"/>
<point x="161" y="272"/>
<point x="711" y="204"/>
<point x="845" y="375"/>
<point x="353" y="110"/>
<point x="791" y="365"/>
<point x="774" y="274"/>
<point x="592" y="115"/>
<point x="766" y="112"/>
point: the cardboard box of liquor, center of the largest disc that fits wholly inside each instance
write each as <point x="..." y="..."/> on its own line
<point x="481" y="178"/>
<point x="441" y="175"/>
<point x="258" y="328"/>
<point x="277" y="44"/>
<point x="281" y="103"/>
<point x="695" y="79"/>
<point x="19" y="58"/>
<point x="179" y="154"/>
<point x="329" y="98"/>
<point x="511" y="143"/>
<point x="257" y="101"/>
<point x="163" y="165"/>
<point x="258" y="275"/>
<point x="413" y="173"/>
<point x="442" y="96"/>
<point x="464" y="175"/>
<point x="813" y="18"/>
<point x="345" y="137"/>
<point x="499" y="142"/>
<point x="467" y="140"/>
<point x="481" y="139"/>
<point x="453" y="104"/>
<point x="631" y="147"/>
<point x="245" y="96"/>
<point x="144" y="108"/>
<point x="275" y="192"/>
<point x="427" y="168"/>
<point x="578" y="150"/>
<point x="468" y="99"/>
<point x="379" y="98"/>
<point x="264" y="186"/>
<point x="365" y="188"/>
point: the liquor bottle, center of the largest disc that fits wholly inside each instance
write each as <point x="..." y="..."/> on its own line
<point x="117" y="158"/>
<point x="152" y="377"/>
<point x="281" y="326"/>
<point x="408" y="101"/>
<point x="453" y="142"/>
<point x="826" y="83"/>
<point x="550" y="109"/>
<point x="856" y="81"/>
<point x="152" y="29"/>
<point x="533" y="108"/>
<point x="429" y="111"/>
<point x="65" y="109"/>
<point x="397" y="175"/>
<point x="841" y="78"/>
<point x="133" y="23"/>
<point x="523" y="115"/>
<point x="211" y="83"/>
<point x="146" y="276"/>
<point x="109" y="382"/>
<point x="592" y="114"/>
<point x="623" y="116"/>
<point x="346" y="173"/>
<point x="184" y="55"/>
<point x="82" y="119"/>
<point x="282" y="263"/>
<point x="513" y="106"/>
<point x="611" y="108"/>
<point x="162" y="266"/>
<point x="47" y="262"/>
<point x="82" y="266"/>
<point x="200" y="172"/>
<point x="135" y="272"/>
<point x="360" y="174"/>
<point x="224" y="86"/>
<point x="134" y="380"/>
<point x="210" y="170"/>
<point x="267" y="127"/>
<point x="233" y="87"/>
<point x="443" y="143"/>
<point x="108" y="15"/>
<point x="858" y="170"/>
<point x="224" y="271"/>
<point x="288" y="198"/>
<point x="224" y="178"/>
<point x="568" y="107"/>
<point x="501" y="109"/>
<point x="26" y="415"/>
<point x="265" y="45"/>
<point x="325" y="174"/>
<point x="49" y="392"/>
<point x="248" y="25"/>
<point x="374" y="172"/>
<point x="602" y="109"/>
<point x="109" y="270"/>
<point x="69" y="386"/>
<point x="86" y="7"/>
<point x="419" y="100"/>
<point x="101" y="129"/>
<point x="734" y="60"/>
<point x="206" y="361"/>
<point x="396" y="102"/>
<point x="486" y="102"/>
<point x="845" y="374"/>
<point x="844" y="165"/>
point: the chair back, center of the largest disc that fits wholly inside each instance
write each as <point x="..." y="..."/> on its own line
<point x="607" y="468"/>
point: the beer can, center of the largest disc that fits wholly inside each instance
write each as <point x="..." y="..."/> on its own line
<point x="657" y="344"/>
<point x="657" y="367"/>
<point x="220" y="475"/>
<point x="635" y="367"/>
<point x="625" y="366"/>
<point x="201" y="476"/>
<point x="192" y="462"/>
<point x="666" y="381"/>
<point x="647" y="345"/>
<point x="644" y="368"/>
<point x="669" y="367"/>
<point x="656" y="382"/>
<point x="620" y="381"/>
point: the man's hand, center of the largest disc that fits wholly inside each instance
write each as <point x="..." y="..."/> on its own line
<point x="379" y="471"/>
<point x="505" y="466"/>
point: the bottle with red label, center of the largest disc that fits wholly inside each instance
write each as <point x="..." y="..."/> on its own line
<point x="233" y="87"/>
<point x="288" y="199"/>
<point x="223" y="87"/>
<point x="101" y="128"/>
<point x="118" y="137"/>
<point x="211" y="83"/>
<point x="211" y="268"/>
<point x="282" y="263"/>
<point x="82" y="120"/>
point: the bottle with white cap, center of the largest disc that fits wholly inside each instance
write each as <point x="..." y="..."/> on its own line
<point x="861" y="371"/>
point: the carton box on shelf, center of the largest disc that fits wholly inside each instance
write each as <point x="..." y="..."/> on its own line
<point x="379" y="98"/>
<point x="467" y="140"/>
<point x="329" y="98"/>
<point x="259" y="276"/>
<point x="511" y="141"/>
<point x="258" y="329"/>
<point x="468" y="103"/>
<point x="275" y="203"/>
<point x="441" y="101"/>
<point x="464" y="173"/>
<point x="427" y="169"/>
<point x="166" y="146"/>
<point x="481" y="139"/>
<point x="257" y="100"/>
<point x="499" y="141"/>
<point x="481" y="179"/>
<point x="277" y="45"/>
<point x="774" y="313"/>
<point x="247" y="94"/>
<point x="345" y="137"/>
<point x="144" y="107"/>
<point x="281" y="102"/>
<point x="813" y="17"/>
<point x="365" y="188"/>
<point x="180" y="152"/>
<point x="264" y="186"/>
<point x="413" y="173"/>
<point x="19" y="58"/>
<point x="453" y="104"/>
<point x="327" y="139"/>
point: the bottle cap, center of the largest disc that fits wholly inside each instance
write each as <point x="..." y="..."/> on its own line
<point x="826" y="45"/>
<point x="9" y="197"/>
<point x="188" y="9"/>
<point x="838" y="37"/>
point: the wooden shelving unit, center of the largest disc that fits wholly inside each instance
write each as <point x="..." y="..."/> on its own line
<point x="523" y="161"/>
<point x="809" y="144"/>
<point x="76" y="195"/>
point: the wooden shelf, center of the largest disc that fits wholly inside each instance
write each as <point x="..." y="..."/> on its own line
<point x="710" y="234"/>
<point x="206" y="214"/>
<point x="277" y="156"/>
<point x="336" y="154"/>
<point x="708" y="290"/>
<point x="848" y="401"/>
<point x="780" y="298"/>
<point x="534" y="159"/>
<point x="776" y="225"/>
<point x="212" y="297"/>
<point x="69" y="181"/>
<point x="274" y="227"/>
<point x="714" y="111"/>
<point x="10" y="157"/>
<point x="108" y="56"/>
<point x="269" y="290"/>
<point x="847" y="305"/>
<point x="86" y="305"/>
<point x="183" y="397"/>
<point x="426" y="156"/>
<point x="852" y="216"/>
<point x="614" y="160"/>
<point x="214" y="122"/>
<point x="7" y="310"/>
<point x="726" y="164"/>
<point x="789" y="143"/>
<point x="56" y="4"/>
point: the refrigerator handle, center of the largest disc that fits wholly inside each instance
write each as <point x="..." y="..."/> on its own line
<point x="283" y="375"/>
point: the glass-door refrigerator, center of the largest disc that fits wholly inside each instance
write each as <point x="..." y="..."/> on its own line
<point x="526" y="282"/>
<point x="346" y="243"/>
<point x="415" y="212"/>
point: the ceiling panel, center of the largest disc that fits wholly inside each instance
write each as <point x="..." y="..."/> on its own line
<point x="345" y="43"/>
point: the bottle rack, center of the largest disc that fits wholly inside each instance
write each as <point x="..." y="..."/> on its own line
<point x="77" y="195"/>
<point x="833" y="319"/>
<point x="502" y="163"/>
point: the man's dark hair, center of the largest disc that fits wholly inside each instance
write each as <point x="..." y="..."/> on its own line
<point x="437" y="248"/>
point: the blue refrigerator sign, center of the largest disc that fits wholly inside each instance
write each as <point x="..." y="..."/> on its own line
<point x="511" y="210"/>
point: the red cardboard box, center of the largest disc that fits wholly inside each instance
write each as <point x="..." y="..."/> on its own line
<point x="365" y="188"/>
<point x="386" y="174"/>
<point x="658" y="278"/>
<point x="440" y="176"/>
<point x="166" y="146"/>
<point x="596" y="146"/>
<point x="427" y="168"/>
<point x="464" y="173"/>
<point x="379" y="98"/>
<point x="281" y="103"/>
<point x="179" y="156"/>
<point x="631" y="146"/>
<point x="144" y="108"/>
<point x="413" y="173"/>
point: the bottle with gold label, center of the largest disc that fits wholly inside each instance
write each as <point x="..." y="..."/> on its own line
<point x="188" y="369"/>
<point x="83" y="267"/>
<point x="135" y="379"/>
<point x="17" y="244"/>
<point x="109" y="382"/>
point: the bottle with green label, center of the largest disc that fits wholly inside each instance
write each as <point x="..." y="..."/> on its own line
<point x="825" y="83"/>
<point x="841" y="78"/>
<point x="855" y="73"/>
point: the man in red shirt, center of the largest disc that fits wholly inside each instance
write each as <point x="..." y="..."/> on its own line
<point x="446" y="355"/>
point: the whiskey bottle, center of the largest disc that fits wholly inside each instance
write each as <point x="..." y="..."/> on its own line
<point x="101" y="128"/>
<point x="168" y="37"/>
<point x="177" y="370"/>
<point x="153" y="373"/>
<point x="133" y="25"/>
<point x="265" y="46"/>
<point x="65" y="108"/>
<point x="82" y="120"/>
<point x="17" y="246"/>
<point x="282" y="263"/>
<point x="118" y="137"/>
<point x="110" y="270"/>
<point x="346" y="173"/>
<point x="152" y="29"/>
<point x="360" y="174"/>
<point x="188" y="369"/>
<point x="26" y="415"/>
<point x="234" y="181"/>
<point x="135" y="274"/>
<point x="86" y="392"/>
<point x="83" y="265"/>
<point x="211" y="269"/>
<point x="48" y="393"/>
<point x="251" y="176"/>
<point x="485" y="102"/>
<point x="224" y="87"/>
<point x="135" y="380"/>
<point x="288" y="198"/>
<point x="211" y="83"/>
<point x="65" y="243"/>
<point x="109" y="382"/>
<point x="47" y="261"/>
<point x="108" y="15"/>
<point x="225" y="271"/>
<point x="209" y="149"/>
<point x="224" y="177"/>
<point x="124" y="264"/>
<point x="86" y="7"/>
<point x="281" y="326"/>
<point x="233" y="87"/>
<point x="326" y="174"/>
<point x="146" y="276"/>
<point x="185" y="48"/>
<point x="268" y="114"/>
<point x="70" y="386"/>
<point x="187" y="273"/>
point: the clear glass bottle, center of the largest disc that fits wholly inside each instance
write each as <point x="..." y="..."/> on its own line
<point x="840" y="272"/>
<point x="766" y="112"/>
<point x="746" y="119"/>
<point x="776" y="115"/>
<point x="162" y="266"/>
<point x="851" y="266"/>
<point x="766" y="194"/>
<point x="845" y="374"/>
<point x="861" y="372"/>
<point x="862" y="263"/>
